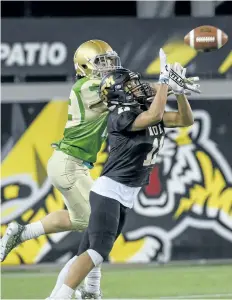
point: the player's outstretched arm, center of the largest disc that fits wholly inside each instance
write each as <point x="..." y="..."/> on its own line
<point x="156" y="110"/>
<point x="155" y="86"/>
<point x="183" y="117"/>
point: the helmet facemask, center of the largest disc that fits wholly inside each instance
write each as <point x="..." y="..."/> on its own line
<point x="105" y="63"/>
<point x="140" y="91"/>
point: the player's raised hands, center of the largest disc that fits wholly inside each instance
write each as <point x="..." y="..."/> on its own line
<point x="179" y="83"/>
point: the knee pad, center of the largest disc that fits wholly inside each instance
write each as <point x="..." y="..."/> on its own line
<point x="102" y="244"/>
<point x="96" y="257"/>
<point x="78" y="225"/>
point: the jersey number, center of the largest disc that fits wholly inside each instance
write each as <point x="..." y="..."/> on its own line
<point x="151" y="156"/>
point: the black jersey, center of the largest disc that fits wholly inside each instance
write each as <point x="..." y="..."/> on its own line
<point x="132" y="154"/>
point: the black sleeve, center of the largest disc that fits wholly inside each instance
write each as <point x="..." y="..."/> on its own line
<point x="123" y="121"/>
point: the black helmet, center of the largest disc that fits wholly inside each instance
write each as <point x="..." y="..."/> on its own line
<point x="123" y="87"/>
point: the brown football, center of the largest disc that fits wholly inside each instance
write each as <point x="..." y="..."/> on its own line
<point x="206" y="38"/>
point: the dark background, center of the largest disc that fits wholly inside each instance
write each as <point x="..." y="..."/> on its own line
<point x="37" y="9"/>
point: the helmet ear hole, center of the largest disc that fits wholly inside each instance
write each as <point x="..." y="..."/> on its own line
<point x="84" y="66"/>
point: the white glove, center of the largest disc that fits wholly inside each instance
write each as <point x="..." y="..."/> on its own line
<point x="164" y="67"/>
<point x="189" y="88"/>
<point x="179" y="83"/>
<point x="191" y="85"/>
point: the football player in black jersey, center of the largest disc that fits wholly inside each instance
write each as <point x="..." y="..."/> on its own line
<point x="136" y="134"/>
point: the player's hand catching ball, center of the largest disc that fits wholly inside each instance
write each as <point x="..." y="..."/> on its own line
<point x="179" y="83"/>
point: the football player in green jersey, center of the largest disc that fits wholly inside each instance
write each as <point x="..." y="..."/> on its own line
<point x="73" y="156"/>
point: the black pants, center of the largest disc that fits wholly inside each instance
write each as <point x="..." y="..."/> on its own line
<point x="105" y="224"/>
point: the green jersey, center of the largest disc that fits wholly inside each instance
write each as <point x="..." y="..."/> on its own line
<point x="85" y="129"/>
